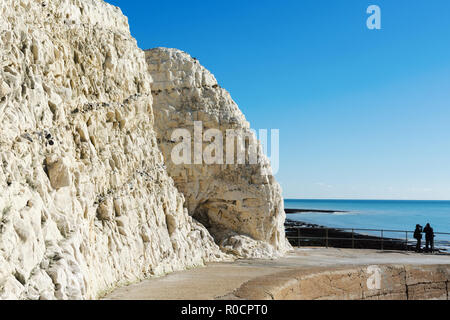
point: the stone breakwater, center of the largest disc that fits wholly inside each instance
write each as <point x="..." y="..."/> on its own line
<point x="87" y="200"/>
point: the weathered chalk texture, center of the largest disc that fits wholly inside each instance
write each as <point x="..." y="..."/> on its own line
<point x="240" y="204"/>
<point x="86" y="202"/>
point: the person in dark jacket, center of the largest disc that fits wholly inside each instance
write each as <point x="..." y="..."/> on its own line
<point x="418" y="237"/>
<point x="429" y="238"/>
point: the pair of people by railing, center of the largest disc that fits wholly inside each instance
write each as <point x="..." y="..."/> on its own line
<point x="429" y="238"/>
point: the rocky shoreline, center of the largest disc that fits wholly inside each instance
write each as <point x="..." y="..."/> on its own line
<point x="316" y="235"/>
<point x="360" y="241"/>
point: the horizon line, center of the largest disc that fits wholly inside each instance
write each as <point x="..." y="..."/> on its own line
<point x="349" y="199"/>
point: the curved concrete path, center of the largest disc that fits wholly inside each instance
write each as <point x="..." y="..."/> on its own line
<point x="220" y="280"/>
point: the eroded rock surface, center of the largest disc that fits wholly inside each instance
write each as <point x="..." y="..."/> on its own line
<point x="85" y="200"/>
<point x="240" y="204"/>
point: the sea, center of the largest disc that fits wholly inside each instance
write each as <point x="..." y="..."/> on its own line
<point x="396" y="215"/>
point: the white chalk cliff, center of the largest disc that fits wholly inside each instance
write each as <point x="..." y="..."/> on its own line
<point x="87" y="200"/>
<point x="240" y="204"/>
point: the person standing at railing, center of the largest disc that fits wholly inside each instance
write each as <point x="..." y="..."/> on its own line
<point x="418" y="237"/>
<point x="429" y="238"/>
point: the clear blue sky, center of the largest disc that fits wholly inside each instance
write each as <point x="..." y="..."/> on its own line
<point x="362" y="114"/>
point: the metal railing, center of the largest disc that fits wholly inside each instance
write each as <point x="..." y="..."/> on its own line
<point x="300" y="236"/>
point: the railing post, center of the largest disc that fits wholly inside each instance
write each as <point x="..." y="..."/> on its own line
<point x="327" y="237"/>
<point x="299" y="240"/>
<point x="382" y="240"/>
<point x="406" y="241"/>
<point x="353" y="238"/>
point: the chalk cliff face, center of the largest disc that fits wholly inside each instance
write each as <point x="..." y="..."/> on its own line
<point x="240" y="204"/>
<point x="85" y="199"/>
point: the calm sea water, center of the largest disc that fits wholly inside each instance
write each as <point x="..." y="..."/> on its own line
<point x="376" y="214"/>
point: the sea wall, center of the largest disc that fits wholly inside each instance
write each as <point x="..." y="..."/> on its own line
<point x="396" y="282"/>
